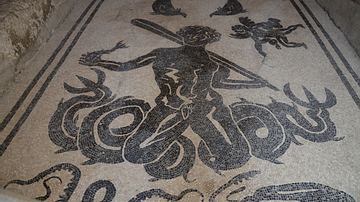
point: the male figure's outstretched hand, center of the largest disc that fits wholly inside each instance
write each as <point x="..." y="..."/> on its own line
<point x="94" y="58"/>
<point x="90" y="59"/>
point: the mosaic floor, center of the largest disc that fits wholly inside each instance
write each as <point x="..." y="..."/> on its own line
<point x="186" y="101"/>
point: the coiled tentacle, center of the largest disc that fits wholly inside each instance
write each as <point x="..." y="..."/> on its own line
<point x="87" y="142"/>
<point x="90" y="192"/>
<point x="161" y="169"/>
<point x="62" y="127"/>
<point x="251" y="118"/>
<point x="323" y="131"/>
<point x="281" y="122"/>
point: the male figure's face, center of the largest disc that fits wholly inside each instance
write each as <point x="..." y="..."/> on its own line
<point x="198" y="35"/>
<point x="196" y="39"/>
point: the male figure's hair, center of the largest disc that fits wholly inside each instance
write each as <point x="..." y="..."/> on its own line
<point x="197" y="35"/>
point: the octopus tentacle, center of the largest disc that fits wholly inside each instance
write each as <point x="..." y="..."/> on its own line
<point x="282" y="122"/>
<point x="87" y="143"/>
<point x="90" y="192"/>
<point x="62" y="127"/>
<point x="160" y="169"/>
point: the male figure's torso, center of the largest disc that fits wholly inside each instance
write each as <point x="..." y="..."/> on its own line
<point x="183" y="74"/>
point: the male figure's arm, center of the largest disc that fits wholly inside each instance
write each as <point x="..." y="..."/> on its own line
<point x="94" y="59"/>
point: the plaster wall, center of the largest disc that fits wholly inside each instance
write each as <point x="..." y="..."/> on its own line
<point x="24" y="26"/>
<point x="346" y="15"/>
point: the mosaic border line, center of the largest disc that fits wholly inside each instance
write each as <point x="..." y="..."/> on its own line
<point x="39" y="94"/>
<point x="348" y="86"/>
<point x="12" y="112"/>
<point x="332" y="43"/>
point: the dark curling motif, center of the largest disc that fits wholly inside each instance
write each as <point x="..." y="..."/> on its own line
<point x="165" y="7"/>
<point x="271" y="32"/>
<point x="63" y="130"/>
<point x="235" y="190"/>
<point x="240" y="178"/>
<point x="143" y="196"/>
<point x="232" y="7"/>
<point x="300" y="191"/>
<point x="49" y="174"/>
<point x="90" y="192"/>
<point x="281" y="131"/>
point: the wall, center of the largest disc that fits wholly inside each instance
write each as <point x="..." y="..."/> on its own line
<point x="24" y="26"/>
<point x="346" y="15"/>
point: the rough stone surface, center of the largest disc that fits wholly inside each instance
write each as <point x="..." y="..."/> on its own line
<point x="346" y="15"/>
<point x="7" y="196"/>
<point x="24" y="26"/>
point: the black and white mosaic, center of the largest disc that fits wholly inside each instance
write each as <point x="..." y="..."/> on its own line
<point x="197" y="131"/>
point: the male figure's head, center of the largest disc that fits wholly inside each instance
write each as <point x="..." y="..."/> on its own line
<point x="198" y="35"/>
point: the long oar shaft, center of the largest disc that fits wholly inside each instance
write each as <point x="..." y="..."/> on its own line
<point x="157" y="29"/>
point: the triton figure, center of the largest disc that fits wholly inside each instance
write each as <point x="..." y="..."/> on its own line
<point x="187" y="77"/>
